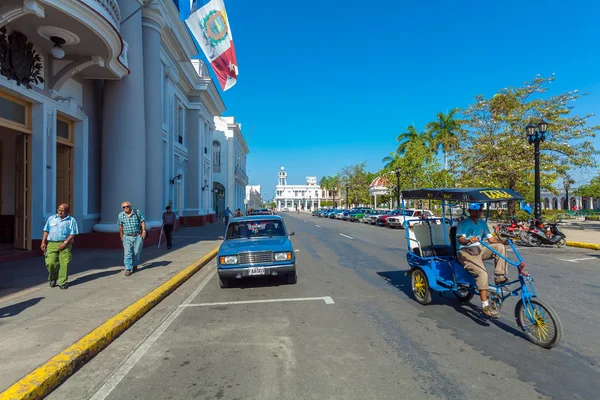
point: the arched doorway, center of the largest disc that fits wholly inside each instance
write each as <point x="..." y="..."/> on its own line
<point x="555" y="203"/>
<point x="584" y="204"/>
<point x="219" y="199"/>
<point x="546" y="203"/>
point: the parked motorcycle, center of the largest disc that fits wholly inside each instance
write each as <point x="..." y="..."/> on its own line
<point x="544" y="234"/>
<point x="510" y="231"/>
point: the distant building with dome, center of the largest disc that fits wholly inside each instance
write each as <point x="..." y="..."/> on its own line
<point x="304" y="197"/>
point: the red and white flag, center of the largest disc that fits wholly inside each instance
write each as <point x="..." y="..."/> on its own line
<point x="210" y="26"/>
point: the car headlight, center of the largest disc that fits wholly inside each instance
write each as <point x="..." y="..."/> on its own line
<point x="283" y="256"/>
<point x="228" y="260"/>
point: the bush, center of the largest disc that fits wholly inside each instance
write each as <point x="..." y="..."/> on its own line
<point x="592" y="218"/>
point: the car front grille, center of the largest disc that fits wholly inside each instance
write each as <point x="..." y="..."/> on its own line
<point x="256" y="257"/>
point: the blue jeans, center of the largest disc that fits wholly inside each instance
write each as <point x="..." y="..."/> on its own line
<point x="133" y="250"/>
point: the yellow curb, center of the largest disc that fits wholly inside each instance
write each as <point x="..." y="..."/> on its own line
<point x="577" y="244"/>
<point x="47" y="377"/>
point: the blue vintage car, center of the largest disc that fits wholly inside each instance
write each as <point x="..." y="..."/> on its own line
<point x="257" y="245"/>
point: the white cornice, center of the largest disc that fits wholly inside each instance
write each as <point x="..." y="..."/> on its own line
<point x="152" y="16"/>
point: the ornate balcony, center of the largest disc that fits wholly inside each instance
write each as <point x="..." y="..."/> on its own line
<point x="88" y="32"/>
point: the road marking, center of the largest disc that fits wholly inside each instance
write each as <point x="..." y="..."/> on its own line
<point x="349" y="237"/>
<point x="326" y="299"/>
<point x="119" y="374"/>
<point x="318" y="226"/>
<point x="304" y="221"/>
<point x="296" y="250"/>
<point x="576" y="260"/>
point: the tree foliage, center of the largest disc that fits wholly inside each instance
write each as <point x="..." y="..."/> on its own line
<point x="493" y="145"/>
<point x="443" y="133"/>
<point x="592" y="189"/>
<point x="357" y="180"/>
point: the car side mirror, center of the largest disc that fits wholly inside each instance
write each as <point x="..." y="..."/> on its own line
<point x="292" y="234"/>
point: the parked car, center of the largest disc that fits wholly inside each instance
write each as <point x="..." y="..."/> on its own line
<point x="382" y="219"/>
<point x="357" y="215"/>
<point x="285" y="209"/>
<point x="372" y="218"/>
<point x="256" y="246"/>
<point x="410" y="215"/>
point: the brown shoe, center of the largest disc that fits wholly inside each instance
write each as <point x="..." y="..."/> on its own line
<point x="127" y="273"/>
<point x="490" y="312"/>
<point x="500" y="279"/>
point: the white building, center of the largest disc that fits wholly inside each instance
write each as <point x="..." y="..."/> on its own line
<point x="229" y="165"/>
<point x="304" y="197"/>
<point x="253" y="197"/>
<point x="121" y="114"/>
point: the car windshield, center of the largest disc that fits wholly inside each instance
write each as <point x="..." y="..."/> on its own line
<point x="255" y="228"/>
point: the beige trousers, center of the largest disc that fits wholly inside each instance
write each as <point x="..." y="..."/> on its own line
<point x="475" y="266"/>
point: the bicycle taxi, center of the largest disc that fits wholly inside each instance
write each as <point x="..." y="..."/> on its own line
<point x="434" y="265"/>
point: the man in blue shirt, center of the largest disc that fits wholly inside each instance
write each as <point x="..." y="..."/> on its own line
<point x="471" y="253"/>
<point x="57" y="240"/>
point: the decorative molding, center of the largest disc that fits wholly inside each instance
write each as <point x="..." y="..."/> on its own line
<point x="28" y="7"/>
<point x="18" y="59"/>
<point x="172" y="74"/>
<point x="72" y="69"/>
<point x="152" y="17"/>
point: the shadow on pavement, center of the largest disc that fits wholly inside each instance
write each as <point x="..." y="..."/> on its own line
<point x="17" y="308"/>
<point x="154" y="264"/>
<point x="399" y="280"/>
<point x="91" y="277"/>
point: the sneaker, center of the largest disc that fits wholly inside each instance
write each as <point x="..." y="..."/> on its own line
<point x="53" y="283"/>
<point x="490" y="312"/>
<point x="127" y="272"/>
<point x="500" y="279"/>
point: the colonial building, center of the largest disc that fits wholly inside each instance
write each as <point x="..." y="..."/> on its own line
<point x="550" y="201"/>
<point x="292" y="197"/>
<point x="229" y="164"/>
<point x="254" y="197"/>
<point x="114" y="110"/>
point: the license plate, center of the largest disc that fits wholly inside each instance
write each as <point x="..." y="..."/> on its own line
<point x="256" y="271"/>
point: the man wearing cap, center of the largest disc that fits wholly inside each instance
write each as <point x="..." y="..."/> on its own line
<point x="471" y="253"/>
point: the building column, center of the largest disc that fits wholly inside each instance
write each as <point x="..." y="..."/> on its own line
<point x="124" y="130"/>
<point x="194" y="180"/>
<point x="43" y="167"/>
<point x="152" y="24"/>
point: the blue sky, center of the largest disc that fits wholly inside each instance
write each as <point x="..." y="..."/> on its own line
<point x="332" y="83"/>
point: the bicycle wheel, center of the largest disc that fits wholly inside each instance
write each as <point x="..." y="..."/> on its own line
<point x="539" y="322"/>
<point x="420" y="287"/>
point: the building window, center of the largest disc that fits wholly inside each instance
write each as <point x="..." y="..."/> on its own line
<point x="15" y="113"/>
<point x="180" y="124"/>
<point x="216" y="156"/>
<point x="64" y="130"/>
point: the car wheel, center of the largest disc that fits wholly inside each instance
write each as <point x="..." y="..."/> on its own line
<point x="292" y="278"/>
<point x="223" y="282"/>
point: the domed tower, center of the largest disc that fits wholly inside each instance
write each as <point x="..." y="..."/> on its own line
<point x="282" y="177"/>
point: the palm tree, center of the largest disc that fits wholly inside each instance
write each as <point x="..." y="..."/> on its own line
<point x="444" y="131"/>
<point x="331" y="184"/>
<point x="390" y="160"/>
<point x="410" y="135"/>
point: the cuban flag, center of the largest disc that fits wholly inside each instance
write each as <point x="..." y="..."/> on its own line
<point x="208" y="22"/>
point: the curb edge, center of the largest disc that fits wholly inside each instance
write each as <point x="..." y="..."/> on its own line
<point x="55" y="371"/>
<point x="592" y="246"/>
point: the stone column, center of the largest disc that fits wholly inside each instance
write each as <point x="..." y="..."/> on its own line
<point x="152" y="23"/>
<point x="124" y="130"/>
<point x="194" y="180"/>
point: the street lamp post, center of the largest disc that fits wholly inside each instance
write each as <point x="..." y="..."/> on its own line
<point x="398" y="186"/>
<point x="535" y="135"/>
<point x="347" y="206"/>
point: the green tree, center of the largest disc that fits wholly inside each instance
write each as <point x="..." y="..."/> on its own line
<point x="591" y="189"/>
<point x="494" y="149"/>
<point x="358" y="179"/>
<point x="444" y="132"/>
<point x="332" y="184"/>
<point x="391" y="159"/>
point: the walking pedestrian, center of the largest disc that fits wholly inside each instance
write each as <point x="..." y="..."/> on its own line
<point x="57" y="241"/>
<point x="238" y="213"/>
<point x="227" y="214"/>
<point x="168" y="223"/>
<point x="132" y="228"/>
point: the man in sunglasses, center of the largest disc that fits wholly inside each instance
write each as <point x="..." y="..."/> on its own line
<point x="57" y="240"/>
<point x="471" y="253"/>
<point x="132" y="228"/>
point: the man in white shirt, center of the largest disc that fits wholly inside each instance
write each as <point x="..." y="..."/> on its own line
<point x="471" y="253"/>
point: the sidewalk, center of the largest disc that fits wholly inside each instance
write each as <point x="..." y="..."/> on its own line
<point x="37" y="322"/>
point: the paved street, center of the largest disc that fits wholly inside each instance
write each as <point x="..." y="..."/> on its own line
<point x="349" y="329"/>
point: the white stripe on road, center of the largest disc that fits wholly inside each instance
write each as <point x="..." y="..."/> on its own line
<point x="119" y="374"/>
<point x="576" y="260"/>
<point x="349" y="237"/>
<point x="318" y="226"/>
<point x="326" y="299"/>
<point x="296" y="250"/>
<point x="304" y="221"/>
